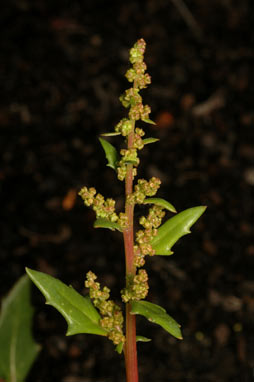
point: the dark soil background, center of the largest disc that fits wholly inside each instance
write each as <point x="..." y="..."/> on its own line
<point x="62" y="66"/>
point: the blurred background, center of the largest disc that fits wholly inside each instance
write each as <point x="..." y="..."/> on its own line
<point x="62" y="71"/>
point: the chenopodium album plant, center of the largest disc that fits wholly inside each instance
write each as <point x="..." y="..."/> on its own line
<point x="98" y="314"/>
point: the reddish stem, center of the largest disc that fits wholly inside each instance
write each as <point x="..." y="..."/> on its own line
<point x="130" y="351"/>
<point x="131" y="361"/>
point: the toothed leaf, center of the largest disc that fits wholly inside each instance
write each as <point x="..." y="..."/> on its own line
<point x="110" y="152"/>
<point x="160" y="202"/>
<point x="18" y="349"/>
<point x="105" y="223"/>
<point x="158" y="315"/>
<point x="78" y="311"/>
<point x="174" y="228"/>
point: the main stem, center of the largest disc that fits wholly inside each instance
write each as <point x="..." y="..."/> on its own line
<point x="130" y="350"/>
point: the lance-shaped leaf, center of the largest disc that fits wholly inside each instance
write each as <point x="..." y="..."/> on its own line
<point x="160" y="202"/>
<point x="78" y="311"/>
<point x="18" y="349"/>
<point x="158" y="315"/>
<point x="142" y="339"/>
<point x="105" y="223"/>
<point x="119" y="347"/>
<point x="110" y="152"/>
<point x="174" y="228"/>
<point x="147" y="141"/>
<point x="112" y="134"/>
<point x="147" y="120"/>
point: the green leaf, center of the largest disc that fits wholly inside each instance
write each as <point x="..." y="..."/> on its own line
<point x="174" y="228"/>
<point x="158" y="315"/>
<point x="112" y="134"/>
<point x="78" y="311"/>
<point x="111" y="153"/>
<point x="147" y="120"/>
<point x="18" y="349"/>
<point x="119" y="348"/>
<point x="160" y="202"/>
<point x="143" y="339"/>
<point x="147" y="141"/>
<point x="105" y="223"/>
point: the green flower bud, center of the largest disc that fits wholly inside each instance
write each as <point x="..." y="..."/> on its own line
<point x="135" y="55"/>
<point x="116" y="337"/>
<point x="139" y="132"/>
<point x="138" y="142"/>
<point x="87" y="195"/>
<point x="139" y="68"/>
<point x="130" y="97"/>
<point x="121" y="172"/>
<point x="143" y="80"/>
<point x="139" y="259"/>
<point x="136" y="111"/>
<point x="137" y="52"/>
<point x="123" y="220"/>
<point x="127" y="127"/>
<point x="134" y="172"/>
<point x="107" y="323"/>
<point x="124" y="127"/>
<point x="146" y="249"/>
<point x="130" y="75"/>
<point x="144" y="114"/>
<point x="130" y="156"/>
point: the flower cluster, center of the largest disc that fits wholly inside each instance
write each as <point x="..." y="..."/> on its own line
<point x="144" y="237"/>
<point x="122" y="164"/>
<point x="124" y="127"/>
<point x="123" y="220"/>
<point x="137" y="73"/>
<point x="138" y="141"/>
<point x="139" y="111"/>
<point x="137" y="287"/>
<point x="112" y="317"/>
<point x="129" y="156"/>
<point x="143" y="189"/>
<point x="103" y="208"/>
<point x="132" y="99"/>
